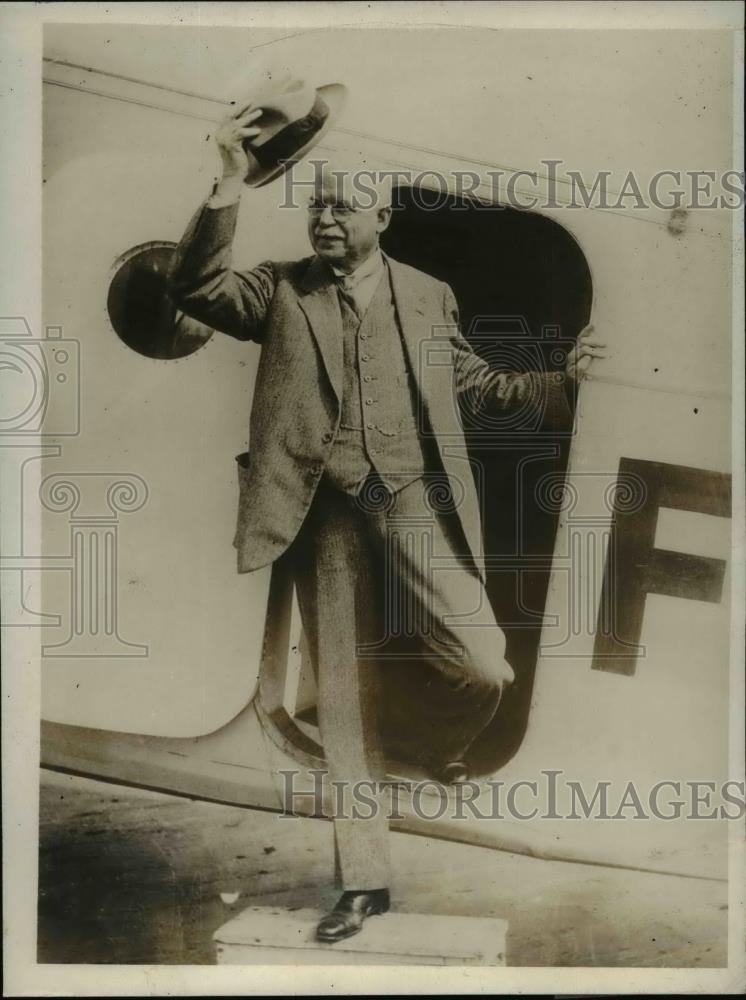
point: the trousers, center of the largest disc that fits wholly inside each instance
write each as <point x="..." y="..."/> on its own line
<point x="408" y="657"/>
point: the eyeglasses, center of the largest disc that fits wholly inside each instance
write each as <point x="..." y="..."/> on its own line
<point x="340" y="212"/>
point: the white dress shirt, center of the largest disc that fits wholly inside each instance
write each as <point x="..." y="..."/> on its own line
<point x="360" y="285"/>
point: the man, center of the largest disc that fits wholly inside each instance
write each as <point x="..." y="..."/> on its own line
<point x="358" y="471"/>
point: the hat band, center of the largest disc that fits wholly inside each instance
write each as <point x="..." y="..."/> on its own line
<point x="293" y="137"/>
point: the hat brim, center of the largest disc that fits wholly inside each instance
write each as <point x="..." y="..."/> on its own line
<point x="335" y="95"/>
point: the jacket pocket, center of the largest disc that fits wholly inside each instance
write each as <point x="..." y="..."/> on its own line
<point x="243" y="464"/>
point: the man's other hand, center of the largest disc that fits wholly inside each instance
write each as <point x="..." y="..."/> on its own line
<point x="585" y="350"/>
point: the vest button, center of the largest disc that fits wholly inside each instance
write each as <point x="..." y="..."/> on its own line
<point x="365" y="357"/>
<point x="369" y="402"/>
<point x="327" y="437"/>
<point x="370" y="426"/>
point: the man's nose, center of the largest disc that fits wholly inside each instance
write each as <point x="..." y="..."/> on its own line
<point x="327" y="216"/>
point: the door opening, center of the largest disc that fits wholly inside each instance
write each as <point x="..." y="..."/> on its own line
<point x="515" y="274"/>
<point x="521" y="278"/>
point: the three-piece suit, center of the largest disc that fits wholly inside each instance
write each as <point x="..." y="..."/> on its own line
<point x="358" y="470"/>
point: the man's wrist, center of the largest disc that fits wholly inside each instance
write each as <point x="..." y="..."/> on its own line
<point x="227" y="191"/>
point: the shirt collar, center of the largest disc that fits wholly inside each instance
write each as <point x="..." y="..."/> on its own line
<point x="370" y="266"/>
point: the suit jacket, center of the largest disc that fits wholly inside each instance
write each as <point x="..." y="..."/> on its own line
<point x="292" y="310"/>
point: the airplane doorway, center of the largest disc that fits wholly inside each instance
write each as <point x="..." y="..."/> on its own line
<point x="515" y="274"/>
<point x="518" y="278"/>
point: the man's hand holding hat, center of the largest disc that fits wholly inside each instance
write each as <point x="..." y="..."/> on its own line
<point x="233" y="132"/>
<point x="277" y="125"/>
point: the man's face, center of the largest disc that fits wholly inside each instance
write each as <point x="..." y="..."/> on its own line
<point x="341" y="232"/>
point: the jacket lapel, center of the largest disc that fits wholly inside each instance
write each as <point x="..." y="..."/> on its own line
<point x="427" y="348"/>
<point x="412" y="309"/>
<point x="319" y="301"/>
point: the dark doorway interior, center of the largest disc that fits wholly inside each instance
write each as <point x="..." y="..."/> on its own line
<point x="515" y="274"/>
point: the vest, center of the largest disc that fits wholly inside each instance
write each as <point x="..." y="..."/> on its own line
<point x="379" y="420"/>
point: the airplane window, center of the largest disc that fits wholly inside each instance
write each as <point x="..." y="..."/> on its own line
<point x="140" y="310"/>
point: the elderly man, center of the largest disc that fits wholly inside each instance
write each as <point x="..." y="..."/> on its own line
<point x="358" y="471"/>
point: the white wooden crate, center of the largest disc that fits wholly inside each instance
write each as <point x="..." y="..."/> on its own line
<point x="273" y="935"/>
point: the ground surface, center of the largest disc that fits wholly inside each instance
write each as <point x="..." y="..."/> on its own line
<point x="128" y="876"/>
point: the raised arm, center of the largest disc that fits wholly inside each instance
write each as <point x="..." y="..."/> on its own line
<point x="202" y="282"/>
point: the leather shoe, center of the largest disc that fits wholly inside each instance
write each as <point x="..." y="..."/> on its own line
<point x="351" y="910"/>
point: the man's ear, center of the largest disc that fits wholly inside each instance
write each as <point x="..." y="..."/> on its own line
<point x="384" y="217"/>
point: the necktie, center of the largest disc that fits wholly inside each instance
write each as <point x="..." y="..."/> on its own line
<point x="347" y="286"/>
